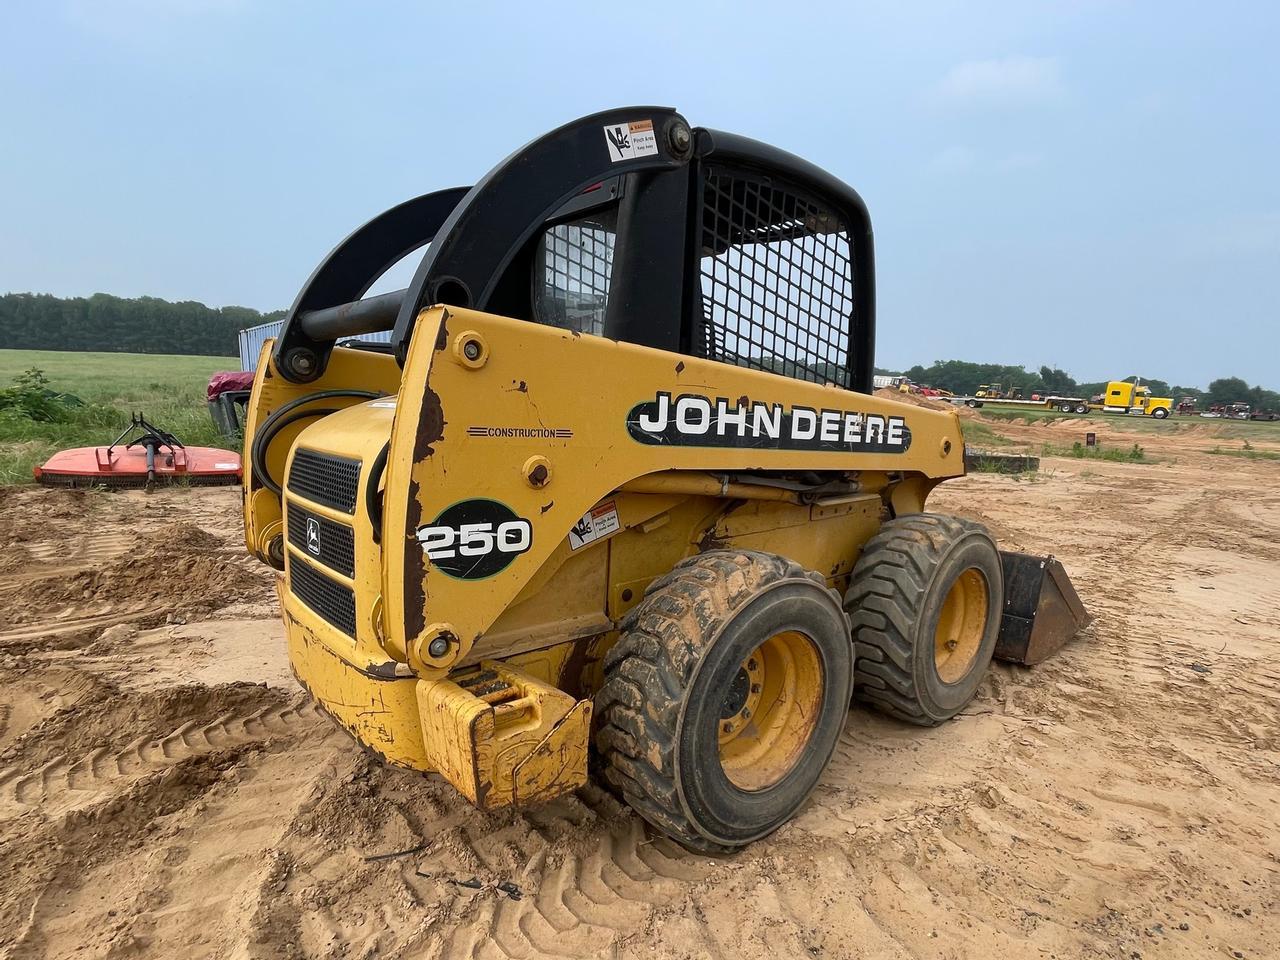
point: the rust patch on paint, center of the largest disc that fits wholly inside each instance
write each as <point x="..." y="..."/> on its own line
<point x="431" y="424"/>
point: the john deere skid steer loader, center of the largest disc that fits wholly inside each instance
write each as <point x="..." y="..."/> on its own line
<point x="618" y="480"/>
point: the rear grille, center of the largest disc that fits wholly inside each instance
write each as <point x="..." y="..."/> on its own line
<point x="332" y="543"/>
<point x="326" y="479"/>
<point x="331" y="600"/>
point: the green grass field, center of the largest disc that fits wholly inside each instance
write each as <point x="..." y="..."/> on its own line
<point x="168" y="390"/>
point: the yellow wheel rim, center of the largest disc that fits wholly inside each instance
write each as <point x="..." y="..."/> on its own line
<point x="961" y="625"/>
<point x="770" y="711"/>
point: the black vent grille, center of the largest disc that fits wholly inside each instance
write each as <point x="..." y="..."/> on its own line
<point x="777" y="279"/>
<point x="332" y="543"/>
<point x="326" y="479"/>
<point x="328" y="598"/>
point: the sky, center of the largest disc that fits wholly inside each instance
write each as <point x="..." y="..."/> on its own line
<point x="1093" y="185"/>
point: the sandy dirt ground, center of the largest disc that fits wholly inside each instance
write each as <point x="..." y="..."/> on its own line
<point x="166" y="792"/>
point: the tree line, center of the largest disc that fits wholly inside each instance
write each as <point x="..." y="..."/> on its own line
<point x="40" y="321"/>
<point x="963" y="377"/>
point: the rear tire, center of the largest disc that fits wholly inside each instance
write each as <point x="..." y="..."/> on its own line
<point x="926" y="598"/>
<point x="1082" y="408"/>
<point x="724" y="697"/>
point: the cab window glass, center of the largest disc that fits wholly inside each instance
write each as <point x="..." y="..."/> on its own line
<point x="572" y="268"/>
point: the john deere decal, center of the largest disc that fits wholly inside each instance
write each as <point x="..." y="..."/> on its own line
<point x="691" y="420"/>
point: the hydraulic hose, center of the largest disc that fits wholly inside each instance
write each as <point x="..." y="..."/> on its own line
<point x="372" y="502"/>
<point x="281" y="418"/>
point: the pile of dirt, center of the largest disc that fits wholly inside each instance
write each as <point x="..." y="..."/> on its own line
<point x="178" y="567"/>
<point x="27" y="512"/>
<point x="915" y="399"/>
<point x="112" y="721"/>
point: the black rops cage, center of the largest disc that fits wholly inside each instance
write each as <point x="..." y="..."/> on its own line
<point x="701" y="242"/>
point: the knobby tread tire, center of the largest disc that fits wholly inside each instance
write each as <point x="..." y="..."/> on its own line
<point x="884" y="602"/>
<point x="649" y="670"/>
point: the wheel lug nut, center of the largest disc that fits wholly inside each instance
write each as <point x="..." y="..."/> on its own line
<point x="755" y="688"/>
<point x="751" y="664"/>
<point x="728" y="728"/>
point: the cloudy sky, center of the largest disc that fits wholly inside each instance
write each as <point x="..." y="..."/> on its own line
<point x="1092" y="185"/>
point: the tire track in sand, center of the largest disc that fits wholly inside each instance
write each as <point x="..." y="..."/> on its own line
<point x="64" y="783"/>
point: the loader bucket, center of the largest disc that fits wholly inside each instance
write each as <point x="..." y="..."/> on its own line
<point x="1041" y="609"/>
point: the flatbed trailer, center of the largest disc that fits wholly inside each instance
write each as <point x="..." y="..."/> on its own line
<point x="1062" y="404"/>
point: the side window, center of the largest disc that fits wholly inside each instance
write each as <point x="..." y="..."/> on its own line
<point x="776" y="278"/>
<point x="572" y="268"/>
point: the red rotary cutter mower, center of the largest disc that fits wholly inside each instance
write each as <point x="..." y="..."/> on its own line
<point x="152" y="457"/>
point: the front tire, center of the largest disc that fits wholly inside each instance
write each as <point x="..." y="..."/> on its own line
<point x="724" y="697"/>
<point x="926" y="598"/>
<point x="1160" y="413"/>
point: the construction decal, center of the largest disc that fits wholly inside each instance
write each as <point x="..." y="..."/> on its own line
<point x="475" y="539"/>
<point x="692" y="420"/>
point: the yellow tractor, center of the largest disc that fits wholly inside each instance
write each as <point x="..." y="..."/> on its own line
<point x="617" y="485"/>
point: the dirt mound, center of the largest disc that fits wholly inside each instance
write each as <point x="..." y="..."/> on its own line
<point x="178" y="567"/>
<point x="111" y="723"/>
<point x="1073" y="423"/>
<point x="27" y="513"/>
<point x="915" y="399"/>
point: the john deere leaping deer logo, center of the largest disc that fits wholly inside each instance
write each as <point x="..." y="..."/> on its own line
<point x="313" y="536"/>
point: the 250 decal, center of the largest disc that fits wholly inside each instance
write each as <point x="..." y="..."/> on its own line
<point x="475" y="539"/>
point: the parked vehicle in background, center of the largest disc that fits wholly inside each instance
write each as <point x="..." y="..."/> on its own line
<point x="1237" y="411"/>
<point x="1265" y="415"/>
<point x="1186" y="407"/>
<point x="1132" y="399"/>
<point x="882" y="382"/>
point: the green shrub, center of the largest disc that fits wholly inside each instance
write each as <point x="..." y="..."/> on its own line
<point x="1134" y="454"/>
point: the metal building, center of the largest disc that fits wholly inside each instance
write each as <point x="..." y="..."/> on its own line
<point x="252" y="339"/>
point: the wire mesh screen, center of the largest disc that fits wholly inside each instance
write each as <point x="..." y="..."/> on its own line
<point x="576" y="261"/>
<point x="777" y="279"/>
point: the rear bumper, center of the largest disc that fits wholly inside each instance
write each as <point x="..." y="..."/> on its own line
<point x="377" y="708"/>
<point x="499" y="736"/>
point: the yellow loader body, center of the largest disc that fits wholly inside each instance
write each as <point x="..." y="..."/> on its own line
<point x="550" y="451"/>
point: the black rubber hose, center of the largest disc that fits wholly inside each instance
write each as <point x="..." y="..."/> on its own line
<point x="267" y="480"/>
<point x="372" y="502"/>
<point x="277" y="421"/>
